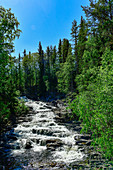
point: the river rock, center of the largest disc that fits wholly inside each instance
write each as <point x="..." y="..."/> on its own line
<point x="28" y="144"/>
<point x="59" y="119"/>
<point x="83" y="142"/>
<point x="78" y="128"/>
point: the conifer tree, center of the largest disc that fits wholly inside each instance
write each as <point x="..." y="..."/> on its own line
<point x="65" y="48"/>
<point x="74" y="35"/>
<point x="100" y="16"/>
<point x="82" y="37"/>
<point x="42" y="87"/>
<point x="47" y="69"/>
<point x="60" y="51"/>
<point x="66" y="74"/>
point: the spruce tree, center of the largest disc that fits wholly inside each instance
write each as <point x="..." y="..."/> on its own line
<point x="74" y="35"/>
<point x="100" y="16"/>
<point x="82" y="37"/>
<point x="65" y="48"/>
<point x="42" y="87"/>
<point x="60" y="51"/>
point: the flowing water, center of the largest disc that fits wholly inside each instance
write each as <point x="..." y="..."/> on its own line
<point x="40" y="142"/>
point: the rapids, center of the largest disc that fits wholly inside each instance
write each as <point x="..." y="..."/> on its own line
<point x="40" y="140"/>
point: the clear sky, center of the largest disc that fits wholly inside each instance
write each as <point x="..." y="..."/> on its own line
<point x="44" y="20"/>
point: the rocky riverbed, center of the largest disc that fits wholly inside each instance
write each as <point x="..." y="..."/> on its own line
<point x="44" y="139"/>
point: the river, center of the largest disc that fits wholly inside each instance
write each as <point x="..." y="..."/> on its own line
<point x="43" y="140"/>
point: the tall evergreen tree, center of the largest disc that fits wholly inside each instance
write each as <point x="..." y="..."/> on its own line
<point x="100" y="17"/>
<point x="42" y="87"/>
<point x="66" y="74"/>
<point x="74" y="35"/>
<point x="65" y="48"/>
<point x="82" y="37"/>
<point x="60" y="51"/>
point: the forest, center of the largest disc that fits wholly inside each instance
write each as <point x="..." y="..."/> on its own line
<point x="80" y="68"/>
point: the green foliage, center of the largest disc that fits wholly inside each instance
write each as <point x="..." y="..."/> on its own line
<point x="9" y="105"/>
<point x="66" y="74"/>
<point x="4" y="112"/>
<point x="94" y="104"/>
<point x="81" y="44"/>
<point x="100" y="20"/>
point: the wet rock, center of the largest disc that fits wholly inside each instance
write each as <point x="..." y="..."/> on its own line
<point x="76" y="122"/>
<point x="53" y="146"/>
<point x="57" y="112"/>
<point x="53" y="164"/>
<point x="7" y="146"/>
<point x="13" y="137"/>
<point x="35" y="140"/>
<point x="48" y="107"/>
<point x="47" y="132"/>
<point x="34" y="131"/>
<point x="83" y="142"/>
<point x="52" y="143"/>
<point x="42" y="108"/>
<point x="84" y="137"/>
<point x="17" y="147"/>
<point x="30" y="108"/>
<point x="59" y="119"/>
<point x="54" y="103"/>
<point x="95" y="156"/>
<point x="78" y="128"/>
<point x="28" y="144"/>
<point x="58" y="141"/>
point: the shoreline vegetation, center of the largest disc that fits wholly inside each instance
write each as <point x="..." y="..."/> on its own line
<point x="81" y="71"/>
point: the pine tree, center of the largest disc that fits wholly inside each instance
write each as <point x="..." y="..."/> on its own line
<point x="47" y="69"/>
<point x="65" y="48"/>
<point x="74" y="35"/>
<point x="66" y="74"/>
<point x="100" y="17"/>
<point x="82" y="37"/>
<point x="42" y="87"/>
<point x="60" y="51"/>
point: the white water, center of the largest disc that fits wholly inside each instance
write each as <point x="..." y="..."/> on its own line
<point x="42" y="128"/>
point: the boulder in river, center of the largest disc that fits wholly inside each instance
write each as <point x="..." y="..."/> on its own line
<point x="28" y="144"/>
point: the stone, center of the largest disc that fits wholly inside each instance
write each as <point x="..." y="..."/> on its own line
<point x="77" y="128"/>
<point x="28" y="144"/>
<point x="86" y="137"/>
<point x="59" y="119"/>
<point x="34" y="131"/>
<point x="44" y="132"/>
<point x="35" y="140"/>
<point x="83" y="142"/>
<point x="13" y="137"/>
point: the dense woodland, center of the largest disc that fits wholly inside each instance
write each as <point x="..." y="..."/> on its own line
<point x="81" y="68"/>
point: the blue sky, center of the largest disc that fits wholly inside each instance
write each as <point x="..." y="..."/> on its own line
<point x="44" y="20"/>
